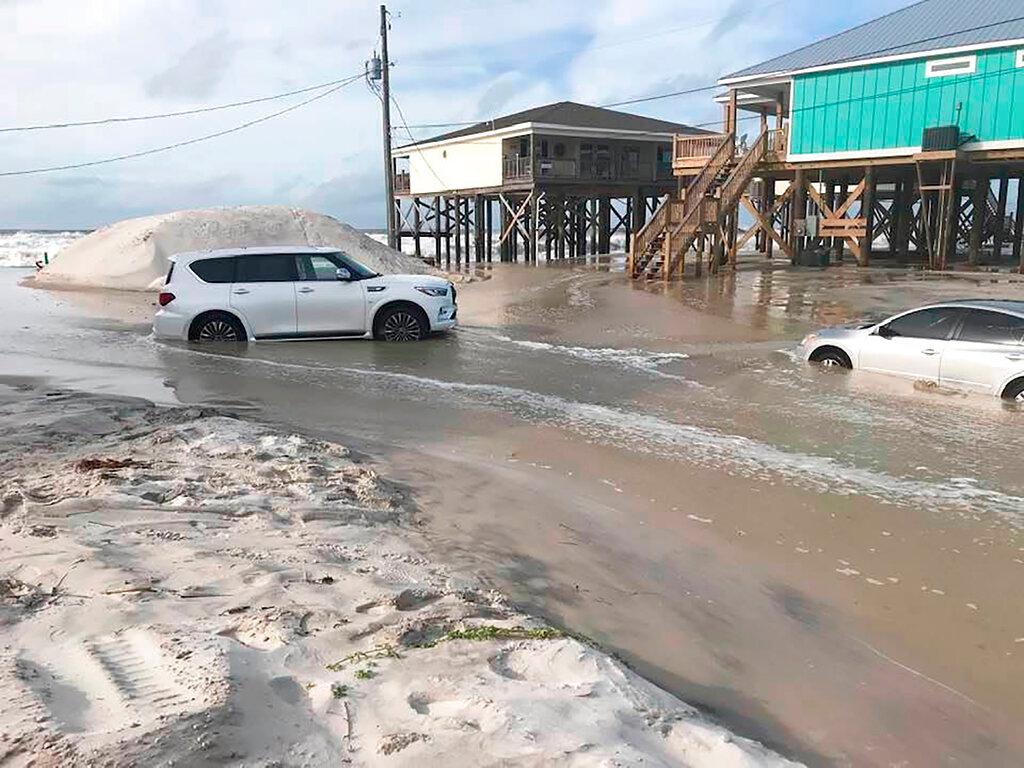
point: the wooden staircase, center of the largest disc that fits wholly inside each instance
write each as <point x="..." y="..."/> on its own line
<point x="659" y="248"/>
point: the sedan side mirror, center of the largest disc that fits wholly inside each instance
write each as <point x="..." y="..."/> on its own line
<point x="885" y="332"/>
<point x="343" y="274"/>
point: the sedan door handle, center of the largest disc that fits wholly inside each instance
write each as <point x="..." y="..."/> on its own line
<point x="306" y="290"/>
<point x="929" y="351"/>
<point x="1015" y="357"/>
<point x="241" y="291"/>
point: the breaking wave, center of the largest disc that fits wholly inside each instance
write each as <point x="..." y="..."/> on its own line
<point x="645" y="433"/>
<point x="23" y="248"/>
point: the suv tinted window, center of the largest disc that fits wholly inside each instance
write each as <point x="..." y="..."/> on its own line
<point x="317" y="267"/>
<point x="219" y="270"/>
<point x="266" y="269"/>
<point x="926" y="323"/>
<point x="992" y="328"/>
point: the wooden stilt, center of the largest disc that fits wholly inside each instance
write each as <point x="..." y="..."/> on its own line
<point x="999" y="231"/>
<point x="416" y="228"/>
<point x="447" y="233"/>
<point x="798" y="218"/>
<point x="867" y="207"/>
<point x="437" y="230"/>
<point x="604" y="225"/>
<point x="979" y="206"/>
<point x="1018" y="226"/>
<point x="489" y="229"/>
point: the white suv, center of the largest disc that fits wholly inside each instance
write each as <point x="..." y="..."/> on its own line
<point x="296" y="293"/>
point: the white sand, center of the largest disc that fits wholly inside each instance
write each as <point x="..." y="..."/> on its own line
<point x="224" y="594"/>
<point x="133" y="254"/>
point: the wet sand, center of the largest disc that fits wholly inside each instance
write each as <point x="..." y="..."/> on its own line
<point x="830" y="563"/>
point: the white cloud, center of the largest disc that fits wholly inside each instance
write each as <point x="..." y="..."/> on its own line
<point x="455" y="60"/>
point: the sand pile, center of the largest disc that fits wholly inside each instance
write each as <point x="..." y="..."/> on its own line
<point x="184" y="587"/>
<point x="132" y="254"/>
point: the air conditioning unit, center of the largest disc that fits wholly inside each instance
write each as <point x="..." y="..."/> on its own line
<point x="943" y="137"/>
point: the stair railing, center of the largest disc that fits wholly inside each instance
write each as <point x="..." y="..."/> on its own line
<point x="643" y="239"/>
<point x="701" y="184"/>
<point x="673" y="210"/>
<point x="739" y="179"/>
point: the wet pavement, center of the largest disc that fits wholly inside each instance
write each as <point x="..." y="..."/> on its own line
<point x="829" y="562"/>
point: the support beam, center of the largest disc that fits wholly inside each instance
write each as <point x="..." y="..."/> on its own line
<point x="979" y="205"/>
<point x="999" y="231"/>
<point x="1018" y="226"/>
<point x="867" y="207"/>
<point x="416" y="228"/>
<point x="798" y="218"/>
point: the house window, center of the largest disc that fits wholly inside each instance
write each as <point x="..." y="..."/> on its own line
<point x="1020" y="58"/>
<point x="543" y="147"/>
<point x="962" y="65"/>
<point x="559" y="149"/>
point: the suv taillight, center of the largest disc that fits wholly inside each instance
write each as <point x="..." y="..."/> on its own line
<point x="165" y="298"/>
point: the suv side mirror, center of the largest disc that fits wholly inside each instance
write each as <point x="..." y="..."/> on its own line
<point x="343" y="274"/>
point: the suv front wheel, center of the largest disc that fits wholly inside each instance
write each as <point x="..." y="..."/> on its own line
<point x="401" y="322"/>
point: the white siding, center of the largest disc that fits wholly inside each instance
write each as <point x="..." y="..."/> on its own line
<point x="473" y="163"/>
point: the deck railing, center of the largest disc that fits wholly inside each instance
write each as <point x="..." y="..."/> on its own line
<point x="777" y="144"/>
<point x="693" y="151"/>
<point x="517" y="168"/>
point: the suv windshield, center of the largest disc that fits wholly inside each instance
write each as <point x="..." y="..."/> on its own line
<point x="359" y="271"/>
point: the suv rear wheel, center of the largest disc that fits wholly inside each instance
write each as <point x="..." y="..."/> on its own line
<point x="217" y="327"/>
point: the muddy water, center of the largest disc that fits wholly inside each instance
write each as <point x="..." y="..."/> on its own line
<point x="830" y="563"/>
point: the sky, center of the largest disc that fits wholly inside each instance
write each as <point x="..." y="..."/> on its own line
<point x="453" y="60"/>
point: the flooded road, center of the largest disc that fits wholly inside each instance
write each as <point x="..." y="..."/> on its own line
<point x="830" y="563"/>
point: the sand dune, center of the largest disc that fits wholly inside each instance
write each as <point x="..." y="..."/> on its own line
<point x="133" y="254"/>
<point x="184" y="586"/>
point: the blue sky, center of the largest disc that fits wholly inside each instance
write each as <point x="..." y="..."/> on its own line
<point x="454" y="61"/>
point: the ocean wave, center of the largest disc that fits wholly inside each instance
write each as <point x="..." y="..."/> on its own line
<point x="632" y="357"/>
<point x="23" y="248"/>
<point x="646" y="433"/>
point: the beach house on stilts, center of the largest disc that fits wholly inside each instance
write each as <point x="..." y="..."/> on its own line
<point x="901" y="139"/>
<point x="564" y="179"/>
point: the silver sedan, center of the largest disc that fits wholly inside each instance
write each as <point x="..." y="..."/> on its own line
<point x="970" y="345"/>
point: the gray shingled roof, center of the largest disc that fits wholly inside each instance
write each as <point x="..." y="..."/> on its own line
<point x="572" y="115"/>
<point x="925" y="26"/>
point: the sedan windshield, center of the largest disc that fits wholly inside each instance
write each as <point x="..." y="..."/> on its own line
<point x="359" y="271"/>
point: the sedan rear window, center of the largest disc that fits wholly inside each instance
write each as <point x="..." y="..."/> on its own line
<point x="219" y="270"/>
<point x="266" y="269"/>
<point x="987" y="327"/>
<point x="926" y="324"/>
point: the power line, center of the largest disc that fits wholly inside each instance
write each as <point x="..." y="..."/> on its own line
<point x="164" y="115"/>
<point x="660" y="96"/>
<point x="188" y="142"/>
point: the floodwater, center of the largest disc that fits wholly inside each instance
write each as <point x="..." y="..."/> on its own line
<point x="828" y="562"/>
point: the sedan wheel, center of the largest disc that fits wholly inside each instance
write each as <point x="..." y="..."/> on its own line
<point x="402" y="326"/>
<point x="218" y="329"/>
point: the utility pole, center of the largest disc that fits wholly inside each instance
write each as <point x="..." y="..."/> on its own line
<point x="389" y="167"/>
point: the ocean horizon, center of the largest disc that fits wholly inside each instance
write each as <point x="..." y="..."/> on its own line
<point x="27" y="247"/>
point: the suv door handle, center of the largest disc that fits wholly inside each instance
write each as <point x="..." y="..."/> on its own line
<point x="929" y="351"/>
<point x="241" y="291"/>
<point x="306" y="290"/>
